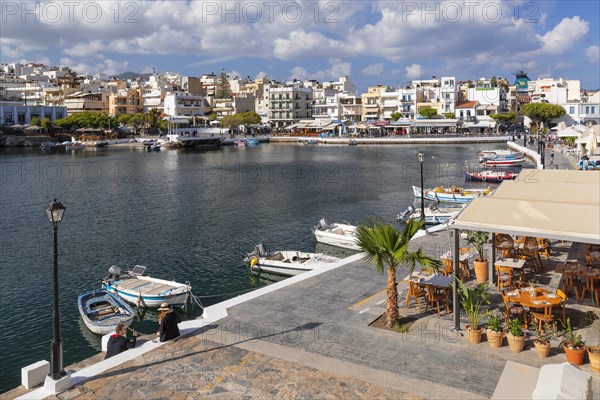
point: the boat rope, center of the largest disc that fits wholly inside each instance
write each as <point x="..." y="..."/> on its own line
<point x="197" y="301"/>
<point x="226" y="294"/>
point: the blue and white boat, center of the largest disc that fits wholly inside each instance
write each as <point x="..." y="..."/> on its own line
<point x="144" y="291"/>
<point x="102" y="311"/>
<point x="451" y="194"/>
<point x="252" y="142"/>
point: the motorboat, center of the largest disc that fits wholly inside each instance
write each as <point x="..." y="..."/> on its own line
<point x="74" y="146"/>
<point x="433" y="215"/>
<point x="452" y="194"/>
<point x="102" y="311"/>
<point x="311" y="141"/>
<point x="252" y="142"/>
<point x="505" y="161"/>
<point x="485" y="154"/>
<point x="490" y="176"/>
<point x="240" y="143"/>
<point x="144" y="291"/>
<point x="286" y="262"/>
<point x="336" y="234"/>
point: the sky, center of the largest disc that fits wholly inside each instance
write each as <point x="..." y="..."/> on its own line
<point x="372" y="42"/>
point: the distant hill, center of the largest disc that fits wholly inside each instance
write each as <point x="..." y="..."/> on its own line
<point x="131" y="75"/>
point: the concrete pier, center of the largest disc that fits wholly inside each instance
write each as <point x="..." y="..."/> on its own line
<point x="393" y="140"/>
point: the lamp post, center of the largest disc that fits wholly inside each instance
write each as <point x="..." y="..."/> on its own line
<point x="421" y="159"/>
<point x="55" y="212"/>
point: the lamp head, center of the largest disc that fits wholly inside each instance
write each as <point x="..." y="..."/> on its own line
<point x="55" y="212"/>
<point x="421" y="157"/>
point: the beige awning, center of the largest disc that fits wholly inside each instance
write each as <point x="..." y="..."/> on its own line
<point x="554" y="204"/>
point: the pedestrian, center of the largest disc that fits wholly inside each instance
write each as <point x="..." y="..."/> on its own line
<point x="118" y="342"/>
<point x="168" y="320"/>
<point x="552" y="158"/>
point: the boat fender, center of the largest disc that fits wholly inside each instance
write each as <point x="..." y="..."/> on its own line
<point x="253" y="262"/>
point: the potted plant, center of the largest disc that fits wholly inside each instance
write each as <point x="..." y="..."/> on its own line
<point x="542" y="341"/>
<point x="573" y="345"/>
<point x="479" y="240"/>
<point x="494" y="333"/>
<point x="515" y="336"/>
<point x="594" y="351"/>
<point x="472" y="299"/>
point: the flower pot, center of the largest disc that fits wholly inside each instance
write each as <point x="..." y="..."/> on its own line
<point x="481" y="271"/>
<point x="474" y="336"/>
<point x="495" y="338"/>
<point x="516" y="343"/>
<point x="543" y="350"/>
<point x="574" y="356"/>
<point x="594" y="355"/>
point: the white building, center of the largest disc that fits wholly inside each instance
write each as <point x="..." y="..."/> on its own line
<point x="407" y="101"/>
<point x="437" y="93"/>
<point x="554" y="91"/>
<point x="183" y="105"/>
<point x="289" y="104"/>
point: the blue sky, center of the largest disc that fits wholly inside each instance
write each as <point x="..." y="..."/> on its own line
<point x="386" y="42"/>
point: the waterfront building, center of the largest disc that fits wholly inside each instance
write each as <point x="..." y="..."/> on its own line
<point x="439" y="94"/>
<point x="584" y="112"/>
<point x="407" y="101"/>
<point x="129" y="101"/>
<point x="350" y="105"/>
<point x="239" y="103"/>
<point x="11" y="114"/>
<point x="289" y="104"/>
<point x="371" y="102"/>
<point x="184" y="105"/>
<point x="554" y="91"/>
<point x="80" y="101"/>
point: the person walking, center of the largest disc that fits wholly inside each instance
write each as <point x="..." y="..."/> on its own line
<point x="168" y="320"/>
<point x="118" y="342"/>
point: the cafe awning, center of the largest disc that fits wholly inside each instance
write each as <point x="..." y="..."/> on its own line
<point x="553" y="204"/>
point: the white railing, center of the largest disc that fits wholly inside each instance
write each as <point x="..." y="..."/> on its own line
<point x="537" y="159"/>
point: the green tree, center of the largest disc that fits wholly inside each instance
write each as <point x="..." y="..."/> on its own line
<point x="212" y="116"/>
<point x="504" y="119"/>
<point x="46" y="123"/>
<point x="35" y="121"/>
<point x="449" y="115"/>
<point x="387" y="247"/>
<point x="428" y="112"/>
<point x="494" y="81"/>
<point x="223" y="91"/>
<point x="396" y="115"/>
<point x="542" y="113"/>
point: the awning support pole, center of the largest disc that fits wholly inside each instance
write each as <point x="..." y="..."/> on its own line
<point x="493" y="258"/>
<point x="456" y="258"/>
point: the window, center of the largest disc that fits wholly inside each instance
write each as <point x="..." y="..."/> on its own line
<point x="587" y="109"/>
<point x="468" y="113"/>
<point x="593" y="109"/>
<point x="571" y="110"/>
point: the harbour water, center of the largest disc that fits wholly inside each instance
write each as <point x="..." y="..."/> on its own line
<point x="186" y="215"/>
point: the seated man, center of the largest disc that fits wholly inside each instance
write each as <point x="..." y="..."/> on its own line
<point x="118" y="343"/>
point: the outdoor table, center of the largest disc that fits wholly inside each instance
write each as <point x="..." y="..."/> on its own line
<point x="433" y="281"/>
<point x="537" y="298"/>
<point x="515" y="263"/>
<point x="463" y="257"/>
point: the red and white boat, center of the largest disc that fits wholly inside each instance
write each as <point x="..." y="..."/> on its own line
<point x="490" y="176"/>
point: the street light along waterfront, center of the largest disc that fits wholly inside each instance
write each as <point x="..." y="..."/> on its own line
<point x="421" y="157"/>
<point x="55" y="213"/>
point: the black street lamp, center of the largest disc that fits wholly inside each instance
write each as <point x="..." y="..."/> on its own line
<point x="55" y="212"/>
<point x="421" y="159"/>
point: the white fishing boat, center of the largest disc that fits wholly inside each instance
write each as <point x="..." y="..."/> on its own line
<point x="484" y="154"/>
<point x="452" y="194"/>
<point x="336" y="234"/>
<point x="433" y="215"/>
<point x="102" y="311"/>
<point x="286" y="262"/>
<point x="144" y="291"/>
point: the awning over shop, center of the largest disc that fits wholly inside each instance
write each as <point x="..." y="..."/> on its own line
<point x="435" y="122"/>
<point x="554" y="204"/>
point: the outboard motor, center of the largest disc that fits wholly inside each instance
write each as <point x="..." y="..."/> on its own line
<point x="259" y="250"/>
<point x="402" y="216"/>
<point x="114" y="271"/>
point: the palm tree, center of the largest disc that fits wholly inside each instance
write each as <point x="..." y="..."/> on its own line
<point x="387" y="247"/>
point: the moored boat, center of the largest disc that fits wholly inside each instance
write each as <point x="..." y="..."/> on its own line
<point x="286" y="262"/>
<point x="433" y="215"/>
<point x="145" y="291"/>
<point x="252" y="142"/>
<point x="485" y="154"/>
<point x="101" y="311"/>
<point x="240" y="143"/>
<point x="452" y="194"/>
<point x="490" y="176"/>
<point x="505" y="160"/>
<point x="336" y="234"/>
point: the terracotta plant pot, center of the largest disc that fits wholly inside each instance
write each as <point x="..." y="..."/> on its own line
<point x="516" y="343"/>
<point x="574" y="356"/>
<point x="474" y="336"/>
<point x="594" y="355"/>
<point x="495" y="338"/>
<point x="481" y="271"/>
<point x="543" y="350"/>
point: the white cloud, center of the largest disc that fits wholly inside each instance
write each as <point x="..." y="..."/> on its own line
<point x="592" y="54"/>
<point x="564" y="35"/>
<point x="414" y="71"/>
<point x="373" y="70"/>
<point x="337" y="68"/>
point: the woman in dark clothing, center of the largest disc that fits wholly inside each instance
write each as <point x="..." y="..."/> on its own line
<point x="168" y="320"/>
<point x="118" y="343"/>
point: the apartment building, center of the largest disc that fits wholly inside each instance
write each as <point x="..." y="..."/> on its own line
<point x="554" y="91"/>
<point x="129" y="101"/>
<point x="240" y="103"/>
<point x="371" y="102"/>
<point x="91" y="101"/>
<point x="289" y="104"/>
<point x="437" y="93"/>
<point x="183" y="105"/>
<point x="11" y="114"/>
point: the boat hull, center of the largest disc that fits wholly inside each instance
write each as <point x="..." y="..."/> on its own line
<point x="287" y="266"/>
<point x="449" y="197"/>
<point x="94" y="303"/>
<point x="338" y="235"/>
<point x="500" y="162"/>
<point x="176" y="294"/>
<point x="494" y="178"/>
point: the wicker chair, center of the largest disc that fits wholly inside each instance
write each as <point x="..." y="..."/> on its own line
<point x="592" y="255"/>
<point x="544" y="247"/>
<point x="512" y="311"/>
<point x="505" y="243"/>
<point x="531" y="253"/>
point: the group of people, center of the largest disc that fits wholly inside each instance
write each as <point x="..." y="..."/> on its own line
<point x="168" y="329"/>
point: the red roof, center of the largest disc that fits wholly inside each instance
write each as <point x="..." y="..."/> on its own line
<point x="466" y="104"/>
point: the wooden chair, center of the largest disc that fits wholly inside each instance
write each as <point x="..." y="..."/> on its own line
<point x="448" y="267"/>
<point x="505" y="277"/>
<point x="512" y="311"/>
<point x="435" y="297"/>
<point x="545" y="316"/>
<point x="592" y="255"/>
<point x="531" y="254"/>
<point x="464" y="265"/>
<point x="544" y="247"/>
<point x="562" y="307"/>
<point x="505" y="243"/>
<point x="417" y="292"/>
<point x="592" y="284"/>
